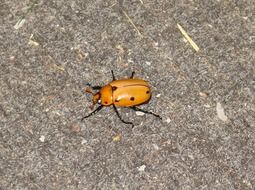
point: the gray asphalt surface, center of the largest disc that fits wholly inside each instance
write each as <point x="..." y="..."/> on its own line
<point x="50" y="50"/>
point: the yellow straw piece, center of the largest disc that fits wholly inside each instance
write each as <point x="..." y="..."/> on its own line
<point x="132" y="23"/>
<point x="192" y="43"/>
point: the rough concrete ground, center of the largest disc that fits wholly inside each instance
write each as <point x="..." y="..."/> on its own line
<point x="59" y="46"/>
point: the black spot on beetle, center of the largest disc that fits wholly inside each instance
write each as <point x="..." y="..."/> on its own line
<point x="147" y="92"/>
<point x="106" y="102"/>
<point x="132" y="98"/>
<point x="114" y="88"/>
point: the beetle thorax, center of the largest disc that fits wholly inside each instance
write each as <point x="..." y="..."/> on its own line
<point x="106" y="95"/>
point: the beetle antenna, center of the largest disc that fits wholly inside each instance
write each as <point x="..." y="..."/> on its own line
<point x="94" y="87"/>
<point x="94" y="112"/>
<point x="113" y="76"/>
<point x="118" y="114"/>
<point x="88" y="90"/>
<point x="147" y="112"/>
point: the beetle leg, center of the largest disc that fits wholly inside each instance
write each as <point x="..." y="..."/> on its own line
<point x="113" y="76"/>
<point x="147" y="112"/>
<point x="126" y="122"/>
<point x="92" y="113"/>
<point x="132" y="75"/>
<point x="94" y="87"/>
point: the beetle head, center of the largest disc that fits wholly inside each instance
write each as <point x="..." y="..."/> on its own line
<point x="96" y="98"/>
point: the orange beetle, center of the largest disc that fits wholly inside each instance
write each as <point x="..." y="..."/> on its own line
<point x="123" y="93"/>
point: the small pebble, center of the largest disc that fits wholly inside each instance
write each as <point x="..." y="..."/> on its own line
<point x="158" y="95"/>
<point x="84" y="141"/>
<point x="117" y="138"/>
<point x="207" y="106"/>
<point x="42" y="138"/>
<point x="203" y="94"/>
<point x="220" y="112"/>
<point x="155" y="146"/>
<point x="139" y="113"/>
<point x="141" y="168"/>
<point x="148" y="63"/>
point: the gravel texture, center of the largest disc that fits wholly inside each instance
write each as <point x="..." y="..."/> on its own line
<point x="50" y="50"/>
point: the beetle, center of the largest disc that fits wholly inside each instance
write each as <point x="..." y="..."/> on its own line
<point x="128" y="93"/>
